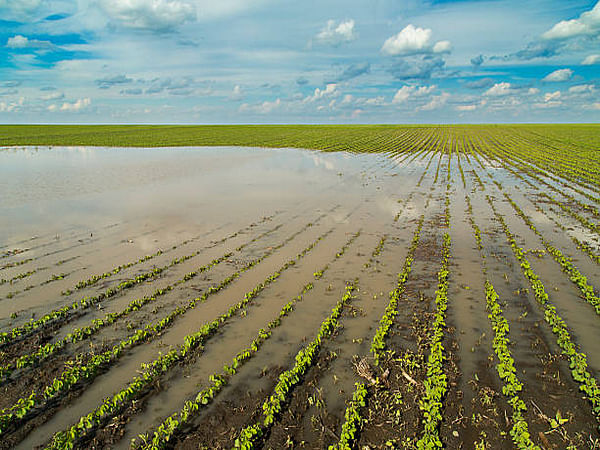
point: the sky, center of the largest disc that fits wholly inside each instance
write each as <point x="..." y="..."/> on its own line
<point x="282" y="61"/>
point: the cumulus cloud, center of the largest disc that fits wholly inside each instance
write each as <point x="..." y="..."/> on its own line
<point x="12" y="106"/>
<point x="262" y="108"/>
<point x="417" y="68"/>
<point x="406" y="92"/>
<point x="464" y="108"/>
<point x="499" y="90"/>
<point x="18" y="42"/>
<point x="437" y="101"/>
<point x="582" y="89"/>
<point x="236" y="94"/>
<point x="329" y="91"/>
<point x="266" y="107"/>
<point x="108" y="82"/>
<point x="563" y="36"/>
<point x="558" y="75"/>
<point x="55" y="95"/>
<point x="375" y="101"/>
<point x="76" y="106"/>
<point x="551" y="100"/>
<point x="150" y="15"/>
<point x="336" y="33"/>
<point x="551" y="96"/>
<point x="587" y="24"/>
<point x="442" y="47"/>
<point x="413" y="40"/>
<point x="402" y="94"/>
<point x="347" y="100"/>
<point x="591" y="60"/>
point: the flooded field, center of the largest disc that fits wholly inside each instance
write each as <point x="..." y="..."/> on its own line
<point x="429" y="288"/>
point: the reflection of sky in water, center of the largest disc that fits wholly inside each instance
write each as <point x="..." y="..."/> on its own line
<point x="59" y="187"/>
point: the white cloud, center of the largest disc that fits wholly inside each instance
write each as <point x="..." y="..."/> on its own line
<point x="499" y="89"/>
<point x="463" y="108"/>
<point x="591" y="60"/>
<point x="547" y="105"/>
<point x="442" y="47"/>
<point x="53" y="96"/>
<point x="357" y="112"/>
<point x="413" y="40"/>
<point x="263" y="108"/>
<point x="582" y="88"/>
<point x="408" y="41"/>
<point x="551" y="96"/>
<point x="347" y="99"/>
<point x="336" y="33"/>
<point x="78" y="105"/>
<point x="152" y="15"/>
<point x="424" y="90"/>
<point x="533" y="91"/>
<point x="12" y="106"/>
<point x="236" y="94"/>
<point x="588" y="24"/>
<point x="329" y="91"/>
<point x="405" y="92"/>
<point x="375" y="101"/>
<point x="19" y="41"/>
<point x="266" y="107"/>
<point x="437" y="101"/>
<point x="558" y="75"/>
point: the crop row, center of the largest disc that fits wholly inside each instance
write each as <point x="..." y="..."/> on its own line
<point x="376" y="251"/>
<point x="352" y="419"/>
<point x="506" y="368"/>
<point x="567" y="266"/>
<point x="304" y="359"/>
<point x="386" y="321"/>
<point x="436" y="382"/>
<point x="577" y="360"/>
<point x="79" y="372"/>
<point x="172" y="424"/>
<point x="15" y="263"/>
<point x="18" y="277"/>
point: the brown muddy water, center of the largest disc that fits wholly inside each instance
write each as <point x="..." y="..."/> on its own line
<point x="166" y="226"/>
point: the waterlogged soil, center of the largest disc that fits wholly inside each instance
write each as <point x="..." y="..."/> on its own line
<point x="276" y="221"/>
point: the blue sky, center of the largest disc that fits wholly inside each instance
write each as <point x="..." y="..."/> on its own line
<point x="267" y="61"/>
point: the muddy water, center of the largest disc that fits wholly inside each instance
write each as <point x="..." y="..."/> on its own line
<point x="84" y="211"/>
<point x="53" y="189"/>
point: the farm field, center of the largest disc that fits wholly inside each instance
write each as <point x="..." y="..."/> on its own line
<point x="300" y="287"/>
